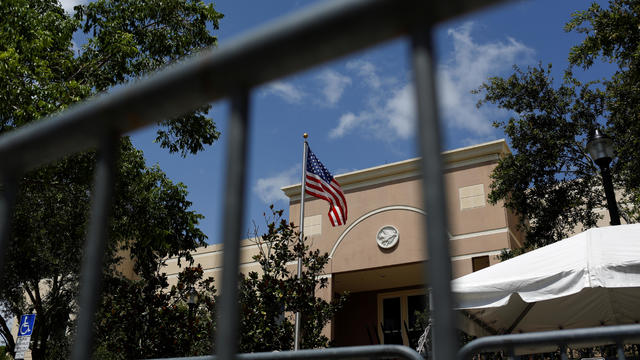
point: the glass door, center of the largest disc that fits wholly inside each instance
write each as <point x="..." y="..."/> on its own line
<point x="402" y="316"/>
<point x="392" y="321"/>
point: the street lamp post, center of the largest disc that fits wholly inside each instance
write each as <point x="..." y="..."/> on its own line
<point x="192" y="302"/>
<point x="600" y="147"/>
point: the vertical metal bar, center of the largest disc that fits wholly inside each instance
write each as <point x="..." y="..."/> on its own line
<point x="563" y="351"/>
<point x="620" y="346"/>
<point x="433" y="187"/>
<point x="296" y="338"/>
<point x="7" y="202"/>
<point x="227" y="325"/>
<point x="93" y="258"/>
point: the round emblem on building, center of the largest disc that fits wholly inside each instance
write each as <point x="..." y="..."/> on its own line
<point x="387" y="237"/>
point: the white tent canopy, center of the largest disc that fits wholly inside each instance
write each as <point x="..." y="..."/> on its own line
<point x="590" y="279"/>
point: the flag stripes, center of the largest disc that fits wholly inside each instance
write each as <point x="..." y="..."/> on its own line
<point x="321" y="184"/>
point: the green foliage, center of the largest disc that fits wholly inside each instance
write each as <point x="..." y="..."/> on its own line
<point x="270" y="300"/>
<point x="36" y="59"/>
<point x="146" y="318"/>
<point x="41" y="72"/>
<point x="550" y="180"/>
<point x="131" y="38"/>
<point x="613" y="35"/>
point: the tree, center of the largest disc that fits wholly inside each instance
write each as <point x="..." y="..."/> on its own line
<point x="142" y="319"/>
<point x="613" y="36"/>
<point x="269" y="300"/>
<point x="550" y="180"/>
<point x="41" y="73"/>
<point x="146" y="318"/>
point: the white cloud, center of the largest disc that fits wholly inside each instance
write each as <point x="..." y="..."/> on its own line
<point x="470" y="65"/>
<point x="346" y="123"/>
<point x="367" y="71"/>
<point x="268" y="188"/>
<point x="68" y="5"/>
<point x="388" y="118"/>
<point x="389" y="112"/>
<point x="333" y="87"/>
<point x="287" y="91"/>
<point x="400" y="111"/>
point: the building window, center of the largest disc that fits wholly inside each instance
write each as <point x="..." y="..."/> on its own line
<point x="471" y="196"/>
<point x="401" y="316"/>
<point x="313" y="225"/>
<point x="480" y="262"/>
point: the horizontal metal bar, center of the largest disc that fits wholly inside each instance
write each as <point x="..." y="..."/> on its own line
<point x="349" y="352"/>
<point x="300" y="41"/>
<point x="592" y="336"/>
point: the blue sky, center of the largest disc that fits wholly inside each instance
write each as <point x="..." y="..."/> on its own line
<point x="359" y="110"/>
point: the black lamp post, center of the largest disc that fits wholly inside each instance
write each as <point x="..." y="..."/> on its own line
<point x="600" y="147"/>
<point x="192" y="301"/>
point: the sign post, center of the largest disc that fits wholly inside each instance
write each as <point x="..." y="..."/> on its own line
<point x="24" y="334"/>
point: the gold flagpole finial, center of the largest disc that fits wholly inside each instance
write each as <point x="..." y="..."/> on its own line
<point x="305" y="135"/>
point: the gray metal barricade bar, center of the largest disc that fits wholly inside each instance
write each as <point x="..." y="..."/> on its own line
<point x="620" y="349"/>
<point x="91" y="276"/>
<point x="563" y="352"/>
<point x="592" y="336"/>
<point x="348" y="352"/>
<point x="300" y="41"/>
<point x="7" y="202"/>
<point x="228" y="310"/>
<point x="297" y="42"/>
<point x="433" y="191"/>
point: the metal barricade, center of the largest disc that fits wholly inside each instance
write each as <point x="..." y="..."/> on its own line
<point x="562" y="338"/>
<point x="348" y="352"/>
<point x="294" y="43"/>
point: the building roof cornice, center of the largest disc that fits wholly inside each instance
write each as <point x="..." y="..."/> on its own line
<point x="487" y="152"/>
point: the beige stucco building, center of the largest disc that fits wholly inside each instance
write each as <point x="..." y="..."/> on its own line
<point x="384" y="280"/>
<point x="378" y="254"/>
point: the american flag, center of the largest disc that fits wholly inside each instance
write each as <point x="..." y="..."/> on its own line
<point x="321" y="184"/>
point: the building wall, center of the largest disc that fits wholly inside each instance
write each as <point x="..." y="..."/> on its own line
<point x="210" y="257"/>
<point x="391" y="195"/>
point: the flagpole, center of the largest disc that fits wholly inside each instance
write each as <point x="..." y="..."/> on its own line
<point x="296" y="341"/>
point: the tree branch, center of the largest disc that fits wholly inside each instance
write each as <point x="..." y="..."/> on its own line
<point x="6" y="334"/>
<point x="30" y="294"/>
<point x="90" y="63"/>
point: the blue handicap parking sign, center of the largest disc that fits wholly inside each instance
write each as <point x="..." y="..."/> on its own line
<point x="26" y="324"/>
